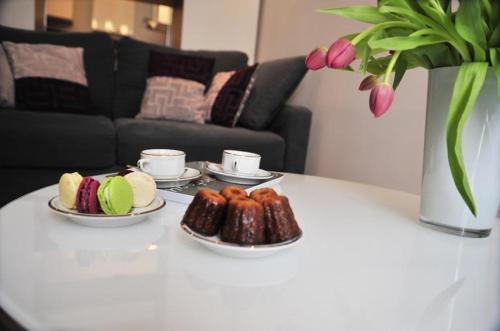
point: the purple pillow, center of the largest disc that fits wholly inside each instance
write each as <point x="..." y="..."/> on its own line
<point x="232" y="97"/>
<point x="188" y="67"/>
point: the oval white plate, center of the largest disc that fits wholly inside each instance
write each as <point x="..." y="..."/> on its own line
<point x="233" y="250"/>
<point x="217" y="170"/>
<point x="136" y="215"/>
<point x="188" y="175"/>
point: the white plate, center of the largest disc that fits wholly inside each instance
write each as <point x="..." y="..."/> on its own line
<point x="136" y="215"/>
<point x="233" y="250"/>
<point x="217" y="170"/>
<point x="188" y="175"/>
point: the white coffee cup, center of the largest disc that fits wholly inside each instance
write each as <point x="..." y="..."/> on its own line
<point x="239" y="162"/>
<point x="162" y="163"/>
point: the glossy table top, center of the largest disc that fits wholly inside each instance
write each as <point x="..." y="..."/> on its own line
<point x="364" y="263"/>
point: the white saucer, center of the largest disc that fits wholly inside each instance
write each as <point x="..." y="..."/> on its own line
<point x="234" y="250"/>
<point x="188" y="175"/>
<point x="217" y="170"/>
<point x="107" y="221"/>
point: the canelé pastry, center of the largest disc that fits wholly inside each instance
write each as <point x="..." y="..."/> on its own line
<point x="263" y="193"/>
<point x="244" y="223"/>
<point x="279" y="219"/>
<point x="230" y="192"/>
<point x="205" y="213"/>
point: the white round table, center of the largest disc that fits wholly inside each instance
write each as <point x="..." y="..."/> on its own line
<point x="364" y="263"/>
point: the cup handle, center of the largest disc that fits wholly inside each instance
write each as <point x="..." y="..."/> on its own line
<point x="142" y="164"/>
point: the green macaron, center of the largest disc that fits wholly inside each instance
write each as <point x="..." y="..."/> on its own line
<point x="115" y="196"/>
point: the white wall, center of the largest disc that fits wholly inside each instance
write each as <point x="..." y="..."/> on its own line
<point x="220" y="25"/>
<point x="346" y="141"/>
<point x="18" y="13"/>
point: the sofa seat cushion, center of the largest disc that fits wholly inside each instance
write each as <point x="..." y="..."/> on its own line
<point x="201" y="142"/>
<point x="56" y="140"/>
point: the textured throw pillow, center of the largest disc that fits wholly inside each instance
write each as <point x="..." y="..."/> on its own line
<point x="275" y="81"/>
<point x="133" y="70"/>
<point x="190" y="67"/>
<point x="218" y="82"/>
<point x="6" y="82"/>
<point x="231" y="99"/>
<point x="49" y="78"/>
<point x="173" y="99"/>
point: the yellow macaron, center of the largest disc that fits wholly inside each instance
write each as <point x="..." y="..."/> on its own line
<point x="68" y="187"/>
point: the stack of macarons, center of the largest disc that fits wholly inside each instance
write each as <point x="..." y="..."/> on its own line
<point x="116" y="195"/>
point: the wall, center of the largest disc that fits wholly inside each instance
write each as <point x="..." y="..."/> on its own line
<point x="346" y="141"/>
<point x="220" y="25"/>
<point x="18" y="13"/>
<point x="60" y="8"/>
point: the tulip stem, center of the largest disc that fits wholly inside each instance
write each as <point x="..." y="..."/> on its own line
<point x="390" y="66"/>
<point x="382" y="26"/>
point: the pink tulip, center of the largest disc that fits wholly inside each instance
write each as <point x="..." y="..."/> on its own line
<point x="368" y="83"/>
<point x="381" y="98"/>
<point x="340" y="54"/>
<point x="316" y="59"/>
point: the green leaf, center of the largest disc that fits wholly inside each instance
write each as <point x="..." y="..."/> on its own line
<point x="468" y="25"/>
<point x="446" y="5"/>
<point x="495" y="62"/>
<point x="468" y="84"/>
<point x="406" y="4"/>
<point x="399" y="71"/>
<point x="405" y="43"/>
<point x="495" y="38"/>
<point x="377" y="66"/>
<point x="415" y="60"/>
<point x="367" y="14"/>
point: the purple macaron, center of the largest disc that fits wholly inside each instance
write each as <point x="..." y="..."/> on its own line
<point x="86" y="197"/>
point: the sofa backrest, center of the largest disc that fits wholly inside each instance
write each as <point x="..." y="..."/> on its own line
<point x="98" y="59"/>
<point x="133" y="65"/>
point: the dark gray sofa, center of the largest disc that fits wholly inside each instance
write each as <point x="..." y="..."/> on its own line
<point x="36" y="148"/>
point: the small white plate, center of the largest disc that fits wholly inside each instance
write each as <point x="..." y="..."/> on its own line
<point x="217" y="170"/>
<point x="233" y="250"/>
<point x="188" y="175"/>
<point x="136" y="215"/>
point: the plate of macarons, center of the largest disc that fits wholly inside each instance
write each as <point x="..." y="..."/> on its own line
<point x="127" y="198"/>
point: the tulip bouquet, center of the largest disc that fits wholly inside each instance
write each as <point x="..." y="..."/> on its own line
<point x="406" y="34"/>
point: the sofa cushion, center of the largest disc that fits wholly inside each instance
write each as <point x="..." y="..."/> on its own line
<point x="133" y="69"/>
<point x="7" y="96"/>
<point x="49" y="78"/>
<point x="232" y="97"/>
<point x="201" y="142"/>
<point x="98" y="58"/>
<point x="190" y="67"/>
<point x="172" y="98"/>
<point x="275" y="81"/>
<point x="56" y="140"/>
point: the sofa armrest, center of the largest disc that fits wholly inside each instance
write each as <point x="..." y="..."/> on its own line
<point x="293" y="123"/>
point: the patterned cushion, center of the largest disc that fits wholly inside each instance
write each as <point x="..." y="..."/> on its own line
<point x="51" y="95"/>
<point x="173" y="99"/>
<point x="6" y="81"/>
<point x="189" y="67"/>
<point x="231" y="99"/>
<point x="49" y="78"/>
<point x="220" y="79"/>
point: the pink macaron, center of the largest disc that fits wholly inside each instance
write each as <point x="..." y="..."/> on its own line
<point x="86" y="197"/>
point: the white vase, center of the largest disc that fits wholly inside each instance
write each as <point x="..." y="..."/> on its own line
<point x="441" y="205"/>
